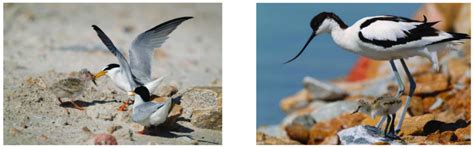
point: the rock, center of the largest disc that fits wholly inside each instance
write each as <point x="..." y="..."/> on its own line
<point x="332" y="140"/>
<point x="297" y="101"/>
<point x="416" y="106"/>
<point x="363" y="134"/>
<point x="263" y="139"/>
<point x="414" y="125"/>
<point x="297" y="132"/>
<point x="442" y="138"/>
<point x="456" y="69"/>
<point x="113" y="128"/>
<point x="430" y="82"/>
<point x="105" y="139"/>
<point x="273" y="131"/>
<point x="207" y="118"/>
<point x="200" y="98"/>
<point x="463" y="134"/>
<point x="321" y="132"/>
<point x="305" y="120"/>
<point x="318" y="90"/>
<point x="167" y="91"/>
<point x="334" y="109"/>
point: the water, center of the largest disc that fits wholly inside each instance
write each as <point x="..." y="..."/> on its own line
<point x="282" y="30"/>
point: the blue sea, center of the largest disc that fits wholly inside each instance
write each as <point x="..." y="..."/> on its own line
<point x="282" y="30"/>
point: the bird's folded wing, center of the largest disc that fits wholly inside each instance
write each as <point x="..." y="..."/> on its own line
<point x="389" y="31"/>
<point x="143" y="111"/>
<point x="142" y="47"/>
<point x="123" y="62"/>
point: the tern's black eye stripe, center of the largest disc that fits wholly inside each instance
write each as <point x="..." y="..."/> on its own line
<point x="110" y="66"/>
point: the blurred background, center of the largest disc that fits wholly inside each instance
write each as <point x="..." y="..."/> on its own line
<point x="283" y="29"/>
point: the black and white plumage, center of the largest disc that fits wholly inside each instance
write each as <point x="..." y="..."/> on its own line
<point x="389" y="38"/>
<point x="140" y="56"/>
<point x="137" y="74"/>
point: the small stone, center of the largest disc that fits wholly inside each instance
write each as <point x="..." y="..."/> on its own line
<point x="273" y="131"/>
<point x="416" y="106"/>
<point x="332" y="140"/>
<point x="174" y="114"/>
<point x="464" y="134"/>
<point x="113" y="128"/>
<point x="318" y="90"/>
<point x="199" y="98"/>
<point x="297" y="101"/>
<point x="443" y="138"/>
<point x="105" y="139"/>
<point x="332" y="110"/>
<point x="297" y="132"/>
<point x="263" y="139"/>
<point x="429" y="83"/>
<point x="207" y="118"/>
<point x="414" y="125"/>
<point x="363" y="135"/>
<point x="167" y="91"/>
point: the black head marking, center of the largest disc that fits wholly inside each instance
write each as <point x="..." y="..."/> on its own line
<point x="319" y="19"/>
<point x="110" y="66"/>
<point x="143" y="92"/>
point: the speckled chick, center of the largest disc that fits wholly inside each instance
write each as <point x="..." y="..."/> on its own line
<point x="72" y="87"/>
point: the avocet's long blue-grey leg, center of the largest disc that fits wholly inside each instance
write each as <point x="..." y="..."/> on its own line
<point x="410" y="94"/>
<point x="401" y="88"/>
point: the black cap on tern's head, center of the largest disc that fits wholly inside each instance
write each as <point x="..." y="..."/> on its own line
<point x="318" y="26"/>
<point x="143" y="92"/>
<point x="111" y="66"/>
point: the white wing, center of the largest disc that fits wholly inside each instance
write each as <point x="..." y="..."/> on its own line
<point x="142" y="47"/>
<point x="123" y="62"/>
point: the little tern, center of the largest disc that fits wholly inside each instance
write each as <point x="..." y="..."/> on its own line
<point x="140" y="56"/>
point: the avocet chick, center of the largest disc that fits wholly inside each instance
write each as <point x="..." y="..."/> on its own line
<point x="72" y="87"/>
<point x="385" y="105"/>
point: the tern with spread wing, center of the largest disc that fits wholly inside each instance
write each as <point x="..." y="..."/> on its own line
<point x="140" y="56"/>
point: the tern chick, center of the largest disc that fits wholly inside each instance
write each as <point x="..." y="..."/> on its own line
<point x="385" y="105"/>
<point x="72" y="87"/>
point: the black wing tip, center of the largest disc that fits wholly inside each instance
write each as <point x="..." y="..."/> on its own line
<point x="460" y="35"/>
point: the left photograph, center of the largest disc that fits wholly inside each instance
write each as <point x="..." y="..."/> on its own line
<point x="112" y="74"/>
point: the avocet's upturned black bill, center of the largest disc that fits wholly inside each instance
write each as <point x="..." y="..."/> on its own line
<point x="390" y="38"/>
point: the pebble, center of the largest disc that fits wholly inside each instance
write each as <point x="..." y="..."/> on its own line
<point x="332" y="110"/>
<point x="318" y="90"/>
<point x="105" y="139"/>
<point x="363" y="134"/>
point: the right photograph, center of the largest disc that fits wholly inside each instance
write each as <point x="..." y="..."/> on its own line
<point x="371" y="74"/>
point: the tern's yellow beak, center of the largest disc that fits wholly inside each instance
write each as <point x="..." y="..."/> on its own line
<point x="99" y="74"/>
<point x="131" y="93"/>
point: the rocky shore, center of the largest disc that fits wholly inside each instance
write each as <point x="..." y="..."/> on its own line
<point x="439" y="112"/>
